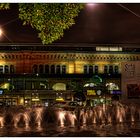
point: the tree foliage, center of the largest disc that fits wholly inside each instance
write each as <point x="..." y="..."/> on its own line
<point x="4" y="6"/>
<point x="49" y="19"/>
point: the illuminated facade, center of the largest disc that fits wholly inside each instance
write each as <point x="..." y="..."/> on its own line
<point x="32" y="73"/>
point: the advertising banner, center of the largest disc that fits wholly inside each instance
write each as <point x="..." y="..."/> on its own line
<point x="131" y="79"/>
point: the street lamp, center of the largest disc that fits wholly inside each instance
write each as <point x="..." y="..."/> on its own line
<point x="3" y="34"/>
<point x="90" y="5"/>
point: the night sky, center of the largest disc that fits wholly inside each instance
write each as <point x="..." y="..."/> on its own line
<point x="100" y="23"/>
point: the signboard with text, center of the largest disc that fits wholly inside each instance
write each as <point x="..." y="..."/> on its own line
<point x="131" y="79"/>
<point x="91" y="92"/>
<point x="116" y="92"/>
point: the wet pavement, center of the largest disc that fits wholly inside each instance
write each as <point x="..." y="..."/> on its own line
<point x="51" y="130"/>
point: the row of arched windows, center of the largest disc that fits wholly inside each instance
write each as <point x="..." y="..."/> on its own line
<point x="90" y="69"/>
<point x="94" y="69"/>
<point x="111" y="69"/>
<point x="49" y="69"/>
<point x="5" y="69"/>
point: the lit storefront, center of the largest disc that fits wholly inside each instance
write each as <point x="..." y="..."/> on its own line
<point x="33" y="73"/>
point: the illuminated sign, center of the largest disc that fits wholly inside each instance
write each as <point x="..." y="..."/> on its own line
<point x="108" y="48"/>
<point x="59" y="99"/>
<point x="116" y="92"/>
<point x="35" y="99"/>
<point x="91" y="92"/>
<point x="1" y="92"/>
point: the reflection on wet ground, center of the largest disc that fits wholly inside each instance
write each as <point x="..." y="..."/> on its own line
<point x="51" y="130"/>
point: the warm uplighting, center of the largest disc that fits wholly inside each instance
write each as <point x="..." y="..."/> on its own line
<point x="1" y="32"/>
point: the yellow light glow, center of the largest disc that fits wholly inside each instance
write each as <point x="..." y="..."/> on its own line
<point x="35" y="99"/>
<point x="71" y="68"/>
<point x="59" y="99"/>
<point x="1" y="32"/>
<point x="91" y="92"/>
<point x="59" y="86"/>
<point x="5" y="86"/>
<point x="21" y="101"/>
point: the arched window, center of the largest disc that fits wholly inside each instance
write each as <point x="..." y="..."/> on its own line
<point x="58" y="71"/>
<point x="105" y="69"/>
<point x="52" y="69"/>
<point x="47" y="69"/>
<point x="111" y="69"/>
<point x="41" y="69"/>
<point x="96" y="69"/>
<point x="63" y="69"/>
<point x="1" y="69"/>
<point x="85" y="69"/>
<point x="90" y="69"/>
<point x="6" y="69"/>
<point x="116" y="69"/>
<point x="12" y="69"/>
<point x="35" y="69"/>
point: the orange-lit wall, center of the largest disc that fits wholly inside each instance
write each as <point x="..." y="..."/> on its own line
<point x="24" y="61"/>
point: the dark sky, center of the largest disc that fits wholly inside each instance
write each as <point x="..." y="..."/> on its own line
<point x="100" y="23"/>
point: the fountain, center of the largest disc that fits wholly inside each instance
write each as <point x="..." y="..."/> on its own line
<point x="72" y="118"/>
<point x="21" y="118"/>
<point x="61" y="117"/>
<point x="102" y="114"/>
<point x="1" y="121"/>
<point x="38" y="116"/>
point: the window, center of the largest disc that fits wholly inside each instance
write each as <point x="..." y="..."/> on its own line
<point x="105" y="69"/>
<point x="35" y="69"/>
<point x="63" y="69"/>
<point x="110" y="69"/>
<point x="85" y="69"/>
<point x="58" y="71"/>
<point x="41" y="69"/>
<point x="1" y="69"/>
<point x="116" y="69"/>
<point x="90" y="69"/>
<point x="47" y="69"/>
<point x="6" y="69"/>
<point x="52" y="69"/>
<point x="96" y="69"/>
<point x="12" y="70"/>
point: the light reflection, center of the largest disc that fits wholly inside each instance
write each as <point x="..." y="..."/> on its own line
<point x="1" y="32"/>
<point x="1" y="122"/>
<point x="38" y="119"/>
<point x="90" y="4"/>
<point x="61" y="117"/>
<point x="72" y="118"/>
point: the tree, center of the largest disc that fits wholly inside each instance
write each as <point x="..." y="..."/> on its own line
<point x="96" y="80"/>
<point x="49" y="19"/>
<point x="77" y="87"/>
